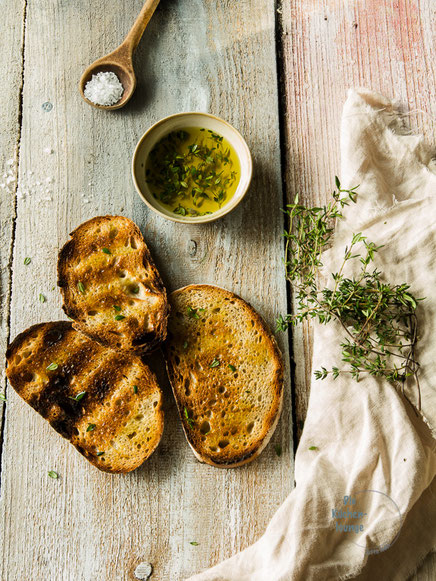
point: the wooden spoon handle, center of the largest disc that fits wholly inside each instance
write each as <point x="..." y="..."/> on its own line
<point x="132" y="39"/>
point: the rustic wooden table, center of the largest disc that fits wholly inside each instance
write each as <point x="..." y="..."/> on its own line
<point x="278" y="71"/>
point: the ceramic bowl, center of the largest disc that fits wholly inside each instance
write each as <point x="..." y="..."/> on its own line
<point x="180" y="121"/>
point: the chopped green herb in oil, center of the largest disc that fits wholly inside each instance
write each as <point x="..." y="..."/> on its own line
<point x="193" y="171"/>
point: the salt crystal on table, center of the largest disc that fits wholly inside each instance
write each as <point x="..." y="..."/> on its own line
<point x="104" y="89"/>
<point x="48" y="150"/>
<point x="144" y="571"/>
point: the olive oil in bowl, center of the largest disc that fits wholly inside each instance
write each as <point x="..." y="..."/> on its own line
<point x="193" y="172"/>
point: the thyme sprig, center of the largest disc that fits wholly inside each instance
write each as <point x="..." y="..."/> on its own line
<point x="378" y="318"/>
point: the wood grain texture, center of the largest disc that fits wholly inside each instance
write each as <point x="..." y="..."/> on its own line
<point x="328" y="46"/>
<point x="194" y="56"/>
<point x="11" y="45"/>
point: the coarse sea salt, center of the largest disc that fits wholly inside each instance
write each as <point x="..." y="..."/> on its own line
<point x="104" y="89"/>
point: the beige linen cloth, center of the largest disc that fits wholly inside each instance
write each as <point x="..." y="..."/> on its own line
<point x="368" y="437"/>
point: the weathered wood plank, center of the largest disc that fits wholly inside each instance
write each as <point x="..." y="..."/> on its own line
<point x="328" y="47"/>
<point x="195" y="55"/>
<point x="11" y="64"/>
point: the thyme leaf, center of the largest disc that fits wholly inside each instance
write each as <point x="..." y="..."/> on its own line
<point x="78" y="397"/>
<point x="189" y="420"/>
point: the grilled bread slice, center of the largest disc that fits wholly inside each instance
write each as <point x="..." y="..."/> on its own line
<point x="107" y="404"/>
<point x="111" y="287"/>
<point x="226" y="372"/>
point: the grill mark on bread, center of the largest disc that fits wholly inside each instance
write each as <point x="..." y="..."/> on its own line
<point x="109" y="403"/>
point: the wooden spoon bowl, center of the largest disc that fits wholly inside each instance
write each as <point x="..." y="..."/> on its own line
<point x="120" y="61"/>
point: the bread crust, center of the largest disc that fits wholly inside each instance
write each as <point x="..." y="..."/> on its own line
<point x="178" y="373"/>
<point x="82" y="261"/>
<point x="49" y="364"/>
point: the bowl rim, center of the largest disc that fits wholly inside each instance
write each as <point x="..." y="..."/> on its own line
<point x="199" y="219"/>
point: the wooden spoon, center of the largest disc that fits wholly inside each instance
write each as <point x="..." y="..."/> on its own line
<point x="120" y="60"/>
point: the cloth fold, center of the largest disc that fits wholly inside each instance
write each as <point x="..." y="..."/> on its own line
<point x="375" y="455"/>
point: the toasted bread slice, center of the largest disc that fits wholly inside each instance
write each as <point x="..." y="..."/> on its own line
<point x="226" y="372"/>
<point x="87" y="393"/>
<point x="111" y="287"/>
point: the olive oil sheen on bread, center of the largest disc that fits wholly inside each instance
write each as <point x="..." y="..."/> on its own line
<point x="193" y="171"/>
